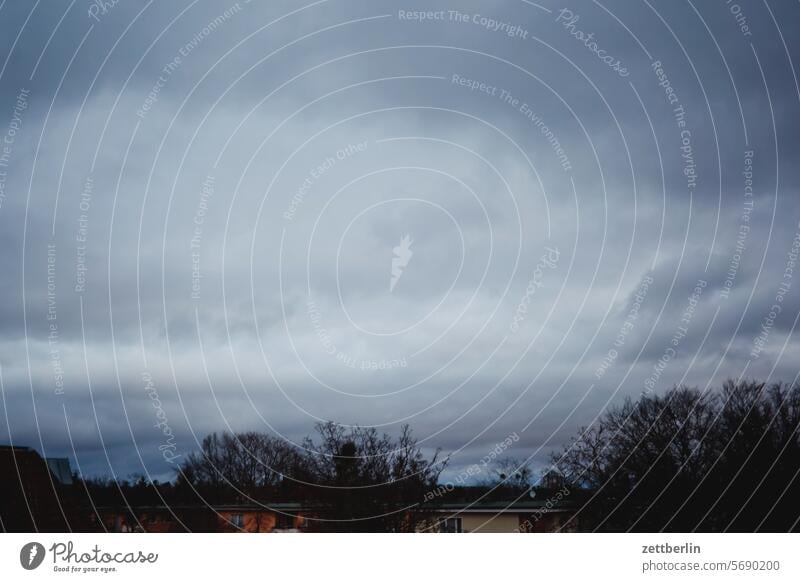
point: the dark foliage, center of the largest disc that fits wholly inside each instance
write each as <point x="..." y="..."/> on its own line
<point x="367" y="480"/>
<point x="689" y="460"/>
<point x="358" y="479"/>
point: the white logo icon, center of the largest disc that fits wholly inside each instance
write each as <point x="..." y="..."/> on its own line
<point x="402" y="255"/>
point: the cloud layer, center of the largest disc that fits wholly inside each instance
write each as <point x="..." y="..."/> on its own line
<point x="201" y="205"/>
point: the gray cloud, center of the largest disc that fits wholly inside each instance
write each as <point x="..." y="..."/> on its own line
<point x="324" y="138"/>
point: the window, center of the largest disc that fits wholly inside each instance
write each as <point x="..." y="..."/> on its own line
<point x="237" y="520"/>
<point x="284" y="521"/>
<point x="450" y="525"/>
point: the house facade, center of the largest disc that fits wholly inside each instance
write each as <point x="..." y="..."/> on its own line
<point x="550" y="514"/>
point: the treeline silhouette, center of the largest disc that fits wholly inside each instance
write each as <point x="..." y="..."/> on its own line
<point x="723" y="459"/>
<point x="357" y="479"/>
<point x="691" y="460"/>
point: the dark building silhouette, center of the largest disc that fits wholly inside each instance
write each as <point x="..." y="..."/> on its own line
<point x="35" y="493"/>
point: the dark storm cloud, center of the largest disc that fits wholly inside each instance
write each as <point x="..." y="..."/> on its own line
<point x="272" y="178"/>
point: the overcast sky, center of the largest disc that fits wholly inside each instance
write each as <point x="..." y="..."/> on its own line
<point x="202" y="201"/>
